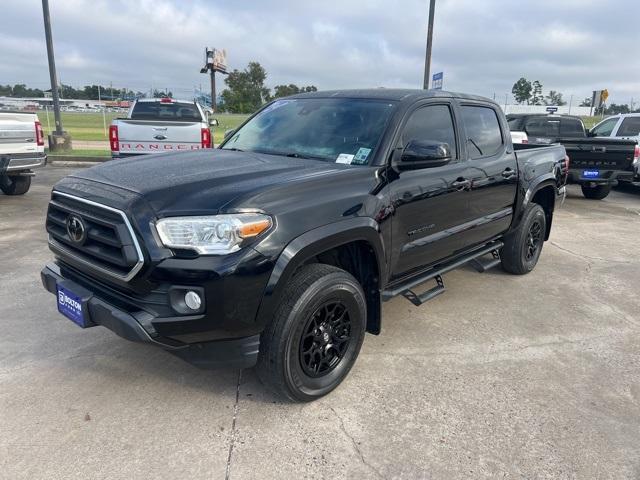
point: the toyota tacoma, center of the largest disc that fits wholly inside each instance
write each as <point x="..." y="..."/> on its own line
<point x="278" y="248"/>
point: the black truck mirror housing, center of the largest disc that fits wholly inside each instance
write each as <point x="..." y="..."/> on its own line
<point x="425" y="154"/>
<point x="213" y="122"/>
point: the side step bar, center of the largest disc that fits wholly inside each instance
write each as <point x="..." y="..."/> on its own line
<point x="481" y="265"/>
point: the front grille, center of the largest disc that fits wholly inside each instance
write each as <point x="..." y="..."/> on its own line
<point x="105" y="240"/>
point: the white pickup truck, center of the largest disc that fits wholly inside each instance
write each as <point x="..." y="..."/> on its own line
<point x="21" y="150"/>
<point x="155" y="125"/>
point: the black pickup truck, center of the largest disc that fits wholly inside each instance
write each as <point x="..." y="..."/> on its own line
<point x="597" y="163"/>
<point x="278" y="248"/>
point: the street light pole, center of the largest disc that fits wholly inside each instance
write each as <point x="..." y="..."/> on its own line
<point x="427" y="60"/>
<point x="52" y="67"/>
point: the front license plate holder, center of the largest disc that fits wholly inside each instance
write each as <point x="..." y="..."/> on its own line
<point x="73" y="303"/>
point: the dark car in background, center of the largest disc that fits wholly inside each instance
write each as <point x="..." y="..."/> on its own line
<point x="596" y="163"/>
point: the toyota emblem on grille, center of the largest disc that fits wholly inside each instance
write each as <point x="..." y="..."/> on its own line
<point x="76" y="229"/>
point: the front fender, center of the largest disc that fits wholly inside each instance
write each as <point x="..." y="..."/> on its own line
<point x="312" y="243"/>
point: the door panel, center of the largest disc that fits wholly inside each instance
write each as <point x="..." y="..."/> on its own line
<point x="428" y="206"/>
<point x="492" y="169"/>
<point x="427" y="211"/>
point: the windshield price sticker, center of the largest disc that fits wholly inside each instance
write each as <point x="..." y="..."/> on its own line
<point x="344" y="158"/>
<point x="361" y="156"/>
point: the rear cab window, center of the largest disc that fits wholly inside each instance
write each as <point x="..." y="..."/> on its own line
<point x="571" y="127"/>
<point x="172" y="111"/>
<point x="543" y="127"/>
<point x="484" y="135"/>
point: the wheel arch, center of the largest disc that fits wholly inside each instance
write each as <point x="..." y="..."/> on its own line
<point x="542" y="192"/>
<point x="354" y="245"/>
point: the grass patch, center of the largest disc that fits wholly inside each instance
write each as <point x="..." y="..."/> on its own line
<point x="91" y="126"/>
<point x="82" y="153"/>
<point x="589" y="122"/>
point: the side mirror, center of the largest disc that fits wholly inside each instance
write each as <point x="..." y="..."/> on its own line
<point x="228" y="133"/>
<point x="425" y="154"/>
<point x="213" y="122"/>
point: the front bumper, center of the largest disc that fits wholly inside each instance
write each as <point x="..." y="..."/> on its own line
<point x="137" y="326"/>
<point x="21" y="162"/>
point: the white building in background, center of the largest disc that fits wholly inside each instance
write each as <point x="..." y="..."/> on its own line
<point x="564" y="109"/>
<point x="40" y="103"/>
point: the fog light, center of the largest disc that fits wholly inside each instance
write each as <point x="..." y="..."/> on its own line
<point x="192" y="300"/>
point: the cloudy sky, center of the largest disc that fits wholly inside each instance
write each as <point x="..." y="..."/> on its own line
<point x="483" y="46"/>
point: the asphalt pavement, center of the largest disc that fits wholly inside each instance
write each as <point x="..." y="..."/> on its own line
<point x="503" y="376"/>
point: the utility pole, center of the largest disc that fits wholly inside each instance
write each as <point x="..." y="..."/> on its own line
<point x="52" y="68"/>
<point x="213" y="90"/>
<point x="427" y="60"/>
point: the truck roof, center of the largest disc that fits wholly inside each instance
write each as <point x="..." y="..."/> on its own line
<point x="523" y="115"/>
<point x="159" y="100"/>
<point x="396" y="94"/>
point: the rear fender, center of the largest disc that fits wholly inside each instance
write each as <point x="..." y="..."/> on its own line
<point x="528" y="192"/>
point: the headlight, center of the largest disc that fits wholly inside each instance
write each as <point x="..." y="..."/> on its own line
<point x="216" y="234"/>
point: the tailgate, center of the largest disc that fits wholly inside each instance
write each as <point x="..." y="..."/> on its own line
<point x="600" y="153"/>
<point x="147" y="136"/>
<point x="18" y="133"/>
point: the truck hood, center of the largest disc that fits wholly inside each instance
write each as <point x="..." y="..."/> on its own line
<point x="203" y="182"/>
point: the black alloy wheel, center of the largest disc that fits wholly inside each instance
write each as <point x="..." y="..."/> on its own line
<point x="325" y="339"/>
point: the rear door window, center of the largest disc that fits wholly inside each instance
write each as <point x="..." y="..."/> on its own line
<point x="630" y="127"/>
<point x="484" y="136"/>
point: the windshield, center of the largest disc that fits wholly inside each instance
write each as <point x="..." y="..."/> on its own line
<point x="174" y="111"/>
<point x="343" y="130"/>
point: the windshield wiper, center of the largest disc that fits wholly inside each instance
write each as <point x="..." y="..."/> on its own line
<point x="234" y="149"/>
<point x="293" y="155"/>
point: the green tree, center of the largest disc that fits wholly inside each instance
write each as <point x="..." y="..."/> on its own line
<point x="245" y="91"/>
<point x="522" y="90"/>
<point x="554" y="98"/>
<point x="291" y="89"/>
<point x="162" y="94"/>
<point x="21" y="90"/>
<point x="586" y="102"/>
<point x="615" y="109"/>
<point x="536" y="94"/>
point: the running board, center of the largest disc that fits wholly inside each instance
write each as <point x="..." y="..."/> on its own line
<point x="483" y="264"/>
<point x="406" y="288"/>
<point x="418" y="300"/>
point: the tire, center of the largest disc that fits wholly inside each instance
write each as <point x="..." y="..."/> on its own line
<point x="596" y="193"/>
<point x="18" y="185"/>
<point x="320" y="307"/>
<point x="523" y="246"/>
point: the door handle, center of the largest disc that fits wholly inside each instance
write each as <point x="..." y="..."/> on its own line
<point x="508" y="173"/>
<point x="461" y="184"/>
